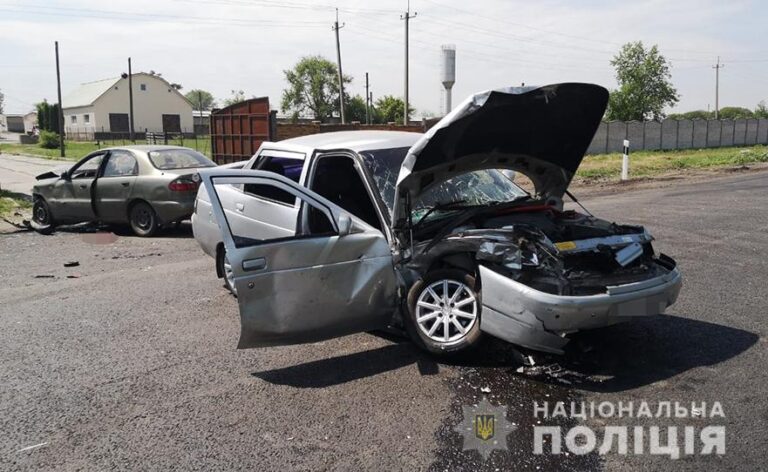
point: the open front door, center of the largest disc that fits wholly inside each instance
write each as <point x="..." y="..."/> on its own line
<point x="333" y="276"/>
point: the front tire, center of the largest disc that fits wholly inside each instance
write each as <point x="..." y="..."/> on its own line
<point x="42" y="217"/>
<point x="444" y="312"/>
<point x="143" y="219"/>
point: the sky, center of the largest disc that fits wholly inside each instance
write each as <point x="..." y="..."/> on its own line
<point x="225" y="45"/>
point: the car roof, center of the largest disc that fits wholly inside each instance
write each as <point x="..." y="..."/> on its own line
<point x="145" y="147"/>
<point x="354" y="140"/>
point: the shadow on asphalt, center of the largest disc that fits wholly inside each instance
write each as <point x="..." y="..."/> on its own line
<point x="349" y="367"/>
<point x="613" y="359"/>
<point x="183" y="231"/>
<point x="642" y="352"/>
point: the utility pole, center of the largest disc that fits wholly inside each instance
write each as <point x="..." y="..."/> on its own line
<point x="200" y="107"/>
<point x="370" y="100"/>
<point x="61" y="110"/>
<point x="130" y="98"/>
<point x="367" y="102"/>
<point x="336" y="28"/>
<point x="407" y="17"/>
<point x="717" y="68"/>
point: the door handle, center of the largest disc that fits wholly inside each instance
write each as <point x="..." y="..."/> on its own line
<point x="239" y="207"/>
<point x="255" y="264"/>
<point x="125" y="184"/>
<point x="83" y="186"/>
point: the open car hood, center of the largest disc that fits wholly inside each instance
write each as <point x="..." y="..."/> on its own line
<point x="542" y="132"/>
<point x="56" y="172"/>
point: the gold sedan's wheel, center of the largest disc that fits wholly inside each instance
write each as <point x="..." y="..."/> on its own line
<point x="143" y="219"/>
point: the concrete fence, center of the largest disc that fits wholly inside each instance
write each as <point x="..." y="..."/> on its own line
<point x="678" y="134"/>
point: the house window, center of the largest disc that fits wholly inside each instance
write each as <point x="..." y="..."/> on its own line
<point x="143" y="87"/>
<point x="73" y="119"/>
<point x="86" y="118"/>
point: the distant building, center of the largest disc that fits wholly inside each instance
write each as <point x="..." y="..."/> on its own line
<point x="18" y="123"/>
<point x="103" y="106"/>
<point x="202" y="120"/>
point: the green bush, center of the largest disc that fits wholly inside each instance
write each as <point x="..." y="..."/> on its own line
<point x="49" y="140"/>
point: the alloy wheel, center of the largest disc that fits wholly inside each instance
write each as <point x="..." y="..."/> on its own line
<point x="446" y="310"/>
<point x="229" y="274"/>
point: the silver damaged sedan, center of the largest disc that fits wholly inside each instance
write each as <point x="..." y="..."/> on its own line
<point x="327" y="235"/>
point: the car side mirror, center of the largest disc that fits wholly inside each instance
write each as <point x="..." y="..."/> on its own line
<point x="65" y="175"/>
<point x="345" y="224"/>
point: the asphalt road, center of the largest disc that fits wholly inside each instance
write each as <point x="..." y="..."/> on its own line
<point x="18" y="172"/>
<point x="131" y="362"/>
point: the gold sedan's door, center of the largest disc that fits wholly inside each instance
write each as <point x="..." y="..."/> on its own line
<point x="331" y="277"/>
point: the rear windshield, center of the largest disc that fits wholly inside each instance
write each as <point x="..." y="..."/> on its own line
<point x="167" y="159"/>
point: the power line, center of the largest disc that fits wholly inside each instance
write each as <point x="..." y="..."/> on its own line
<point x="132" y="16"/>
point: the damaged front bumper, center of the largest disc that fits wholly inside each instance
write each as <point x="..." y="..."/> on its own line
<point x="538" y="320"/>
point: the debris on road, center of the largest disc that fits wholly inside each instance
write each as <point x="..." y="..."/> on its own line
<point x="45" y="276"/>
<point x="485" y="389"/>
<point x="71" y="264"/>
<point x="35" y="446"/>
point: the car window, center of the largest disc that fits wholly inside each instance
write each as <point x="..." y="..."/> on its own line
<point x="88" y="168"/>
<point x="168" y="159"/>
<point x="121" y="164"/>
<point x="337" y="179"/>
<point x="311" y="221"/>
<point x="290" y="165"/>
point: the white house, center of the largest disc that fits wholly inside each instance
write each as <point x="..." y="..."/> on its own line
<point x="103" y="106"/>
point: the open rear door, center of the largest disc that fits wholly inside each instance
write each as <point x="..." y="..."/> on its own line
<point x="334" y="276"/>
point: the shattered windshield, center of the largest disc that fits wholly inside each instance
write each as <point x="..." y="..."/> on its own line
<point x="474" y="188"/>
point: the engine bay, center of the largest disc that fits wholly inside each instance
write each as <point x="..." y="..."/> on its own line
<point x="553" y="251"/>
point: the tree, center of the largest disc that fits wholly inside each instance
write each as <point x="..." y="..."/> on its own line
<point x="237" y="97"/>
<point x="2" y="101"/>
<point x="692" y="115"/>
<point x="390" y="109"/>
<point x="761" y="110"/>
<point x="201" y="99"/>
<point x="313" y="88"/>
<point x="645" y="88"/>
<point x="355" y="109"/>
<point x="733" y="113"/>
<point x="47" y="116"/>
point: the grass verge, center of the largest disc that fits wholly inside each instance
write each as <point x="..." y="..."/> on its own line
<point x="11" y="203"/>
<point x="75" y="150"/>
<point x="650" y="163"/>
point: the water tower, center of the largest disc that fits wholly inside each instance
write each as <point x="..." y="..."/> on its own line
<point x="448" y="73"/>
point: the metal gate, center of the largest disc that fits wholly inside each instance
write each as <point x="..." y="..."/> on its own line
<point x="238" y="130"/>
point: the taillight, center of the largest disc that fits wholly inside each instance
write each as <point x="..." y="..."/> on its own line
<point x="183" y="184"/>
